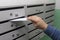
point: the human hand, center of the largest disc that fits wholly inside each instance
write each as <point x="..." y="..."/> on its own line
<point x="38" y="22"/>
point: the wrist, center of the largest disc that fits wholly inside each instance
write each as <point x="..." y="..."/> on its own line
<point x="43" y="26"/>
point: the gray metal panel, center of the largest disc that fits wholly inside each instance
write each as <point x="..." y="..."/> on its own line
<point x="41" y="15"/>
<point x="22" y="38"/>
<point x="50" y="19"/>
<point x="31" y="27"/>
<point x="10" y="14"/>
<point x="9" y="26"/>
<point x="9" y="36"/>
<point x="33" y="10"/>
<point x="50" y="7"/>
<point x="39" y="36"/>
<point x="49" y="13"/>
<point x="35" y="32"/>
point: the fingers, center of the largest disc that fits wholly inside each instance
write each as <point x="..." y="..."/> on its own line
<point x="38" y="22"/>
<point x="32" y="18"/>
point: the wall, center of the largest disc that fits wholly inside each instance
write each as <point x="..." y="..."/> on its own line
<point x="57" y="14"/>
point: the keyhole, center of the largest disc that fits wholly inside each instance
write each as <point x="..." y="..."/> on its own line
<point x="11" y="14"/>
<point x="17" y="34"/>
<point x="12" y="25"/>
<point x="13" y="35"/>
<point x="16" y="15"/>
<point x="36" y="10"/>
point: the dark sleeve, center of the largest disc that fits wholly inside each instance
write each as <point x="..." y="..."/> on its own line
<point x="52" y="32"/>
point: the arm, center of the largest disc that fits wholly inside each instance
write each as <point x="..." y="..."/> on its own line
<point x="52" y="32"/>
<point x="48" y="29"/>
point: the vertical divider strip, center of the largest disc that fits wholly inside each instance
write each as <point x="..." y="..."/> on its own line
<point x="26" y="26"/>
